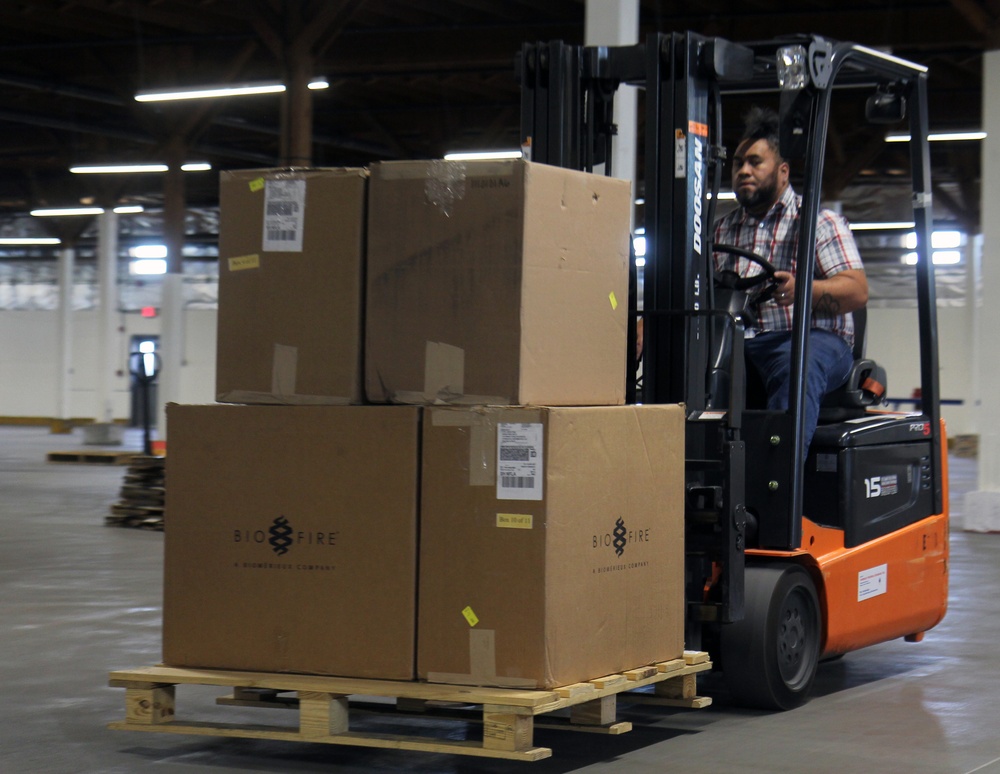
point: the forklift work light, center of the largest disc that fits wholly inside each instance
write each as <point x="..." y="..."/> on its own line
<point x="793" y="72"/>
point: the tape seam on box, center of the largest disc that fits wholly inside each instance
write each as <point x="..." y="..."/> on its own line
<point x="482" y="665"/>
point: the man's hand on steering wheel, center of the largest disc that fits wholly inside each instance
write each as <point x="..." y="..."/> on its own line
<point x="769" y="275"/>
<point x="783" y="288"/>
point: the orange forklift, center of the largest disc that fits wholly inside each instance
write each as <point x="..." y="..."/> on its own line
<point x="788" y="560"/>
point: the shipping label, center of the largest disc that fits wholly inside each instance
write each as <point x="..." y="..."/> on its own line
<point x="519" y="461"/>
<point x="284" y="215"/>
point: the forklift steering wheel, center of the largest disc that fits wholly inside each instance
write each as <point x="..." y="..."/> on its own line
<point x="748" y="282"/>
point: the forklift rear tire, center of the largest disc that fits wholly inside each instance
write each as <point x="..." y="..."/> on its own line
<point x="769" y="658"/>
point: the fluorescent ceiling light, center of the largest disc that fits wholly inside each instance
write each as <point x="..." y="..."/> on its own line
<point x="724" y="196"/>
<point x="939" y="136"/>
<point x="117" y="169"/>
<point x="899" y="225"/>
<point x="938" y="258"/>
<point x="125" y="169"/>
<point x="210" y="92"/>
<point x="483" y="155"/>
<point x="639" y="244"/>
<point x="29" y="241"/>
<point x="56" y="211"/>
<point x="129" y="209"/>
<point x="148" y="266"/>
<point x="148" y="251"/>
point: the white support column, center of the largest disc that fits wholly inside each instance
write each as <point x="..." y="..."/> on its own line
<point x="67" y="258"/>
<point x="982" y="507"/>
<point x="171" y="347"/>
<point x="107" y="280"/>
<point x="616" y="23"/>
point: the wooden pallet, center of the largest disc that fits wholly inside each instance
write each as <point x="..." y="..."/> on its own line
<point x="91" y="457"/>
<point x="325" y="706"/>
<point x="143" y="495"/>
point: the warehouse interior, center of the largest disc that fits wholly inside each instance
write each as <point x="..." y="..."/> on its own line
<point x="354" y="83"/>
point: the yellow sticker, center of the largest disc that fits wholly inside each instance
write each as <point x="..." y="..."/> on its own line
<point x="515" y="520"/>
<point x="614" y="299"/>
<point x="257" y="185"/>
<point x="244" y="262"/>
<point x="470" y="616"/>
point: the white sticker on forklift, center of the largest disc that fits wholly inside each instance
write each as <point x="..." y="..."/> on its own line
<point x="519" y="461"/>
<point x="873" y="582"/>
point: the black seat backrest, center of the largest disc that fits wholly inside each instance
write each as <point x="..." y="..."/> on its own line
<point x="866" y="383"/>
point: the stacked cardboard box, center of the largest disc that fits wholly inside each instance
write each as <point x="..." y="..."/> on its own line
<point x="550" y="540"/>
<point x="291" y="261"/>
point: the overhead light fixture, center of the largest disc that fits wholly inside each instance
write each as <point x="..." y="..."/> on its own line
<point x="148" y="251"/>
<point x="724" y="196"/>
<point x="497" y="155"/>
<point x="54" y="212"/>
<point x="899" y="225"/>
<point x="211" y="92"/>
<point x="127" y="169"/>
<point x="940" y="136"/>
<point x="148" y="266"/>
<point x="30" y="241"/>
<point x="129" y="209"/>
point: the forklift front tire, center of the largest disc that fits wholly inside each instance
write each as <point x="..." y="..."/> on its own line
<point x="769" y="658"/>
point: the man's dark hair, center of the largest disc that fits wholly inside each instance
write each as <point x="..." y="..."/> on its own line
<point x="762" y="123"/>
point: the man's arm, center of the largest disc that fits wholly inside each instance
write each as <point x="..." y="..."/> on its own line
<point x="843" y="292"/>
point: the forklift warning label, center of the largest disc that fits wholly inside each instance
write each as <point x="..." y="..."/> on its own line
<point x="519" y="461"/>
<point x="872" y="583"/>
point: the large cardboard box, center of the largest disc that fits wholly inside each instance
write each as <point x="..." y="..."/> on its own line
<point x="551" y="543"/>
<point x="291" y="539"/>
<point x="496" y="282"/>
<point x="291" y="252"/>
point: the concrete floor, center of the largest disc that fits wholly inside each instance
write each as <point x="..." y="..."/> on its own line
<point x="78" y="599"/>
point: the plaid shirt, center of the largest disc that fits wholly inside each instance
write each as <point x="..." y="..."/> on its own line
<point x="776" y="238"/>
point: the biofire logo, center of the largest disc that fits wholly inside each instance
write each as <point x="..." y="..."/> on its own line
<point x="619" y="537"/>
<point x="281" y="536"/>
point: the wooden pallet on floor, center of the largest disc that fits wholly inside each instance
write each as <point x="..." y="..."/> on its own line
<point x="325" y="706"/>
<point x="143" y="495"/>
<point x="92" y="457"/>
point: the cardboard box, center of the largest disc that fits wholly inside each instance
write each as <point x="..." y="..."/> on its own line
<point x="291" y="251"/>
<point x="496" y="282"/>
<point x="551" y="543"/>
<point x="291" y="539"/>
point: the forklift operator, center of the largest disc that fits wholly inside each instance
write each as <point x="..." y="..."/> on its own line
<point x="767" y="223"/>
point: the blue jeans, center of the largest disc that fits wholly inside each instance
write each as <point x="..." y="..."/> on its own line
<point x="828" y="365"/>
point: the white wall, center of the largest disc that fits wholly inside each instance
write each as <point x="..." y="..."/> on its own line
<point x="892" y="342"/>
<point x="28" y="362"/>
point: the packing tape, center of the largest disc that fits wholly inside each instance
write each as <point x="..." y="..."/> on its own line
<point x="482" y="665"/>
<point x="444" y="369"/>
<point x="284" y="366"/>
<point x="444" y="380"/>
<point x="482" y="424"/>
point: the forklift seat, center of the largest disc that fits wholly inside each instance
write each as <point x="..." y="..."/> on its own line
<point x="865" y="385"/>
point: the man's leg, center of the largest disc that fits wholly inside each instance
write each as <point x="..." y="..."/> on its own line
<point x="830" y="361"/>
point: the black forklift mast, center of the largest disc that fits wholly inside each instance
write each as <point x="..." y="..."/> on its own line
<point x="567" y="120"/>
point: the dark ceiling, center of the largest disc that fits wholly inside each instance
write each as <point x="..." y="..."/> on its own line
<point x="408" y="79"/>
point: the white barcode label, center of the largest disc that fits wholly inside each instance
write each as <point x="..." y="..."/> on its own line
<point x="519" y="461"/>
<point x="284" y="215"/>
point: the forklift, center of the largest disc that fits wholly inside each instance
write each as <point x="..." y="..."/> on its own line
<point x="789" y="560"/>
